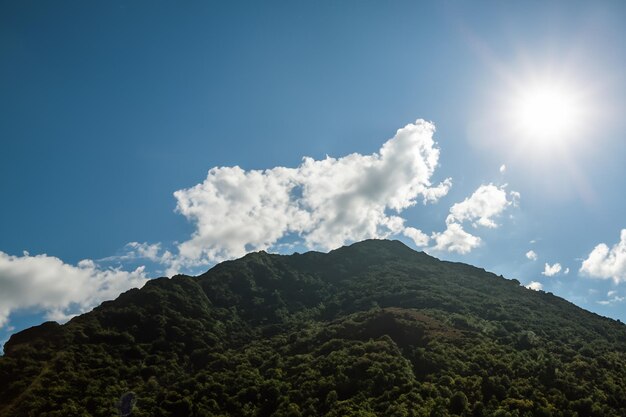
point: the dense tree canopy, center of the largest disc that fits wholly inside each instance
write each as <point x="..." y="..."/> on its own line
<point x="373" y="329"/>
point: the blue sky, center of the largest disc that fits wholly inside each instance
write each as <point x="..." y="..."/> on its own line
<point x="109" y="109"/>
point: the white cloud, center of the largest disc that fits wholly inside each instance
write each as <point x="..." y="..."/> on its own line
<point x="61" y="290"/>
<point x="487" y="202"/>
<point x="566" y="271"/>
<point x="502" y="169"/>
<point x="433" y="194"/>
<point x="551" y="270"/>
<point x="535" y="286"/>
<point x="455" y="239"/>
<point x="136" y="251"/>
<point x="147" y="251"/>
<point x="607" y="263"/>
<point x="611" y="293"/>
<point x="532" y="255"/>
<point x="325" y="203"/>
<point x="152" y="252"/>
<point x="418" y="237"/>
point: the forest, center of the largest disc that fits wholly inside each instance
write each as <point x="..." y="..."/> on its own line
<point x="371" y="329"/>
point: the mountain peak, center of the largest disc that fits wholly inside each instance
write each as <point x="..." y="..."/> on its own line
<point x="394" y="246"/>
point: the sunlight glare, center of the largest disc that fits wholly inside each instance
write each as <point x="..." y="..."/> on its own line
<point x="547" y="114"/>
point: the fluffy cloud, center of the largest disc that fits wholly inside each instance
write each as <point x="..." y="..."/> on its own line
<point x="487" y="202"/>
<point x="455" y="239"/>
<point x="325" y="203"/>
<point x="535" y="286"/>
<point x="551" y="270"/>
<point x="418" y="237"/>
<point x="532" y="255"/>
<point x="47" y="283"/>
<point x="480" y="209"/>
<point x="607" y="263"/>
<point x="502" y="169"/>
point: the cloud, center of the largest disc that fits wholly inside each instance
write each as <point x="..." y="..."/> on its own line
<point x="418" y="237"/>
<point x="566" y="271"/>
<point x="502" y="169"/>
<point x="515" y="198"/>
<point x="480" y="209"/>
<point x="141" y="251"/>
<point x="607" y="263"/>
<point x="59" y="289"/>
<point x="535" y="286"/>
<point x="551" y="270"/>
<point x="532" y="255"/>
<point x="144" y="250"/>
<point x="323" y="203"/>
<point x="455" y="239"/>
<point x="487" y="202"/>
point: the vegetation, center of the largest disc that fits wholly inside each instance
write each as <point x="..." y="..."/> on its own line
<point x="373" y="329"/>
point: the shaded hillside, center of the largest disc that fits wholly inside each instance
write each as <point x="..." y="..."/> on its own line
<point x="373" y="329"/>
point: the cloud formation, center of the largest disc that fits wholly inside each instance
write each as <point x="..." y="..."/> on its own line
<point x="153" y="252"/>
<point x="535" y="286"/>
<point x="551" y="270"/>
<point x="323" y="203"/>
<point x="487" y="202"/>
<point x="417" y="236"/>
<point x="479" y="209"/>
<point x="455" y="239"/>
<point x="141" y="251"/>
<point x="61" y="290"/>
<point x="607" y="263"/>
<point x="532" y="255"/>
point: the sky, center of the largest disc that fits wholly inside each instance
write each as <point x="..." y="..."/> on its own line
<point x="146" y="138"/>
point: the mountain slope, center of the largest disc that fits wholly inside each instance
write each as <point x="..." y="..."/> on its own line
<point x="373" y="329"/>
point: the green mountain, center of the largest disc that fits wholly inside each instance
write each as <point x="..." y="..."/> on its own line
<point x="372" y="329"/>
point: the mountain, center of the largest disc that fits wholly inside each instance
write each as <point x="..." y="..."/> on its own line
<point x="372" y="329"/>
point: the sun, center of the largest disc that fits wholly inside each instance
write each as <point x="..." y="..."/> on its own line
<point x="548" y="120"/>
<point x="546" y="113"/>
